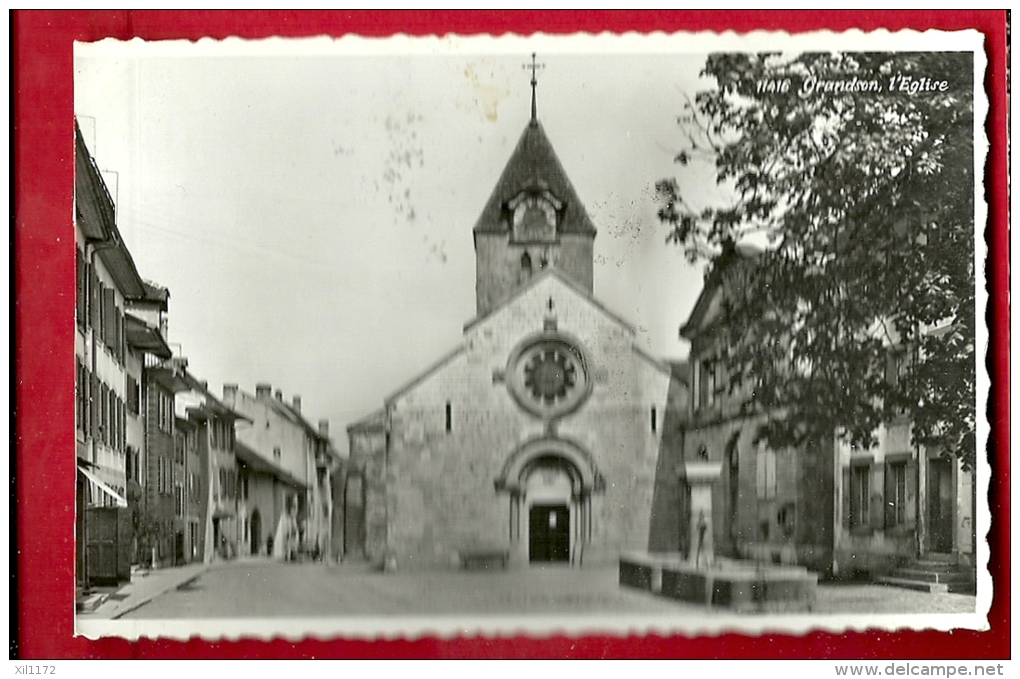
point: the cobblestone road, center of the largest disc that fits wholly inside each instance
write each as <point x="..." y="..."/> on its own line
<point x="269" y="589"/>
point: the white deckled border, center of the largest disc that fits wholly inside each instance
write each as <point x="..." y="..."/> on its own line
<point x="623" y="624"/>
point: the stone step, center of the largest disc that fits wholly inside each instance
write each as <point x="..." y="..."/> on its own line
<point x="937" y="557"/>
<point x="919" y="585"/>
<point x="940" y="566"/>
<point x="913" y="573"/>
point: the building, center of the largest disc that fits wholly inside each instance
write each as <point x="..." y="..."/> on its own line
<point x="837" y="510"/>
<point x="149" y="400"/>
<point x="106" y="281"/>
<point x="154" y="462"/>
<point x="283" y="460"/>
<point x="538" y="434"/>
<point x="209" y="454"/>
<point x="195" y="485"/>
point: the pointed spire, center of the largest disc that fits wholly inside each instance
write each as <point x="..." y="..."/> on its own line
<point x="534" y="85"/>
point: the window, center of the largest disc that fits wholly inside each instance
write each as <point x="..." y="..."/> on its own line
<point x="900" y="491"/>
<point x="276" y="452"/>
<point x="526" y="266"/>
<point x="859" y="496"/>
<point x="897" y="361"/>
<point x="178" y="501"/>
<point x="765" y="459"/>
<point x="132" y="395"/>
<point x="709" y="382"/>
<point x="655" y="424"/>
<point x="449" y="416"/>
<point x="548" y="375"/>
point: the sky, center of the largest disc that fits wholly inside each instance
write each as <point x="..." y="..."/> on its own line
<point x="309" y="205"/>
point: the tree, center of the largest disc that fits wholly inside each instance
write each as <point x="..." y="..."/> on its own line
<point x="856" y="173"/>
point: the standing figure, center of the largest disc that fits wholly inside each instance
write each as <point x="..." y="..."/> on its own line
<point x="283" y="541"/>
<point x="702" y="528"/>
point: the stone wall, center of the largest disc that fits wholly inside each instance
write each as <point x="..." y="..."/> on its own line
<point x="780" y="514"/>
<point x="498" y="264"/>
<point x="441" y="483"/>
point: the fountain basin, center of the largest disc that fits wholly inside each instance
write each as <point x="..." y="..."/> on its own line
<point x="742" y="586"/>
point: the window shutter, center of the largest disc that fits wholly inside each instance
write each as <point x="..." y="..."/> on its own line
<point x="93" y="299"/>
<point x="877" y="504"/>
<point x="890" y="496"/>
<point x="104" y="424"/>
<point x="111" y="418"/>
<point x="110" y="318"/>
<point x="93" y="394"/>
<point x="911" y="511"/>
<point x="847" y="492"/>
<point x="81" y="288"/>
<point x="118" y="338"/>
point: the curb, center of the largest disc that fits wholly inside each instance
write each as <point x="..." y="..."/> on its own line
<point x="146" y="598"/>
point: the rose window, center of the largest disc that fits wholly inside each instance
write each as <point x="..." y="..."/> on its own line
<point x="548" y="376"/>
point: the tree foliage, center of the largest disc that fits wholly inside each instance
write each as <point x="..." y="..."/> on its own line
<point x="856" y="173"/>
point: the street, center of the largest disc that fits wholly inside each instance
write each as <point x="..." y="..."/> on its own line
<point x="254" y="589"/>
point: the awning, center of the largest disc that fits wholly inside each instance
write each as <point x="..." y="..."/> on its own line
<point x="141" y="335"/>
<point x="121" y="502"/>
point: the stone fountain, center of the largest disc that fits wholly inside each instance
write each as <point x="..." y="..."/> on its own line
<point x="697" y="576"/>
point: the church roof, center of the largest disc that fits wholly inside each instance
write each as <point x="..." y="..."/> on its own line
<point x="550" y="272"/>
<point x="738" y="255"/>
<point x="534" y="165"/>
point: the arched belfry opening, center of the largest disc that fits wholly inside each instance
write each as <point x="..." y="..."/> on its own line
<point x="549" y="484"/>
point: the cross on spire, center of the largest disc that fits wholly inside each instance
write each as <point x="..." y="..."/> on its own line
<point x="534" y="84"/>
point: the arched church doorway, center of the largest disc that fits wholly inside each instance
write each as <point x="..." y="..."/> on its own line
<point x="551" y="529"/>
<point x="256" y="531"/>
<point x="550" y="482"/>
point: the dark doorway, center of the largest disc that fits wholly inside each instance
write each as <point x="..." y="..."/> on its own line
<point x="256" y="532"/>
<point x="940" y="505"/>
<point x="179" y="547"/>
<point x="549" y="528"/>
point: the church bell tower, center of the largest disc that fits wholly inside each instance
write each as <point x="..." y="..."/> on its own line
<point x="533" y="220"/>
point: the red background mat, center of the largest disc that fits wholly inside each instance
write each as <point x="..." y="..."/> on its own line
<point x="44" y="279"/>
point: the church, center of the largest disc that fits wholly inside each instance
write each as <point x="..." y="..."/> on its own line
<point x="537" y="436"/>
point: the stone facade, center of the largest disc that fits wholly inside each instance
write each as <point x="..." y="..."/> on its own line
<point x="283" y="456"/>
<point x="156" y="543"/>
<point x="538" y="435"/>
<point x="836" y="510"/>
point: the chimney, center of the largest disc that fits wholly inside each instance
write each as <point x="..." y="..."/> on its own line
<point x="263" y="390"/>
<point x="297" y="402"/>
<point x="279" y="394"/>
<point x="229" y="392"/>
<point x="324" y="428"/>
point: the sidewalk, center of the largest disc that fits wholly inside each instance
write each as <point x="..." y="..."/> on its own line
<point x="143" y="588"/>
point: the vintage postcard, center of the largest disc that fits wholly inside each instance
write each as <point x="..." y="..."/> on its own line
<point x="615" y="334"/>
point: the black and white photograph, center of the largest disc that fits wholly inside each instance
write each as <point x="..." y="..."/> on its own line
<point x="675" y="333"/>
